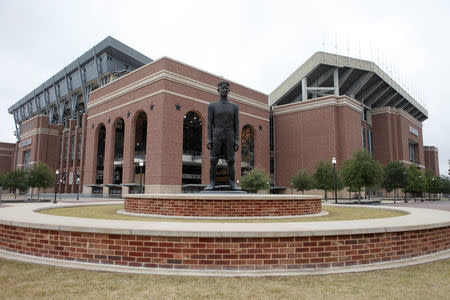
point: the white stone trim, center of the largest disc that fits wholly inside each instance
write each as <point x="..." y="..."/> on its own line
<point x="412" y="163"/>
<point x="395" y="111"/>
<point x="317" y="103"/>
<point x="35" y="131"/>
<point x="178" y="79"/>
<point x="166" y="92"/>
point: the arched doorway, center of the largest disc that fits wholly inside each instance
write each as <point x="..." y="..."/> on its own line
<point x="100" y="154"/>
<point x="247" y="149"/>
<point x="118" y="151"/>
<point x="140" y="146"/>
<point x="192" y="151"/>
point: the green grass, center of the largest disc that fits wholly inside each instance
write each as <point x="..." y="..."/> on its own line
<point x="30" y="281"/>
<point x="110" y="212"/>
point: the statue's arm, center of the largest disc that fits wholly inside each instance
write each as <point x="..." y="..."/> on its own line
<point x="210" y="124"/>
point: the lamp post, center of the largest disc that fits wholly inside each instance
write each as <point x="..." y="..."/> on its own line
<point x="56" y="185"/>
<point x="141" y="165"/>
<point x="333" y="161"/>
<point x="78" y="187"/>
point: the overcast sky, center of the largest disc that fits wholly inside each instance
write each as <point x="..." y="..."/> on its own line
<point x="255" y="43"/>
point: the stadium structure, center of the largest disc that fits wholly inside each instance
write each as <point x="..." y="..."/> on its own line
<point x="114" y="121"/>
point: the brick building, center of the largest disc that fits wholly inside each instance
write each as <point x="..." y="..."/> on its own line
<point x="114" y="120"/>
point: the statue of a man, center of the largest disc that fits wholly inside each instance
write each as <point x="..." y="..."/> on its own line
<point x="223" y="134"/>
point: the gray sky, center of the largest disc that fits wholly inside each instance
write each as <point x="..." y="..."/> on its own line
<point x="255" y="43"/>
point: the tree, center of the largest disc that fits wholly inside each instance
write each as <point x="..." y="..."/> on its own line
<point x="433" y="184"/>
<point x="395" y="177"/>
<point x="324" y="177"/>
<point x="416" y="181"/>
<point x="362" y="171"/>
<point x="40" y="176"/>
<point x="302" y="181"/>
<point x="444" y="186"/>
<point x="255" y="180"/>
<point x="16" y="180"/>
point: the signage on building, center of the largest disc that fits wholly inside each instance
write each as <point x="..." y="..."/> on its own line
<point x="26" y="142"/>
<point x="413" y="131"/>
<point x="71" y="178"/>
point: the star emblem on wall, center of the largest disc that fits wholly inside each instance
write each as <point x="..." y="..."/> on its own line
<point x="128" y="114"/>
<point x="92" y="126"/>
<point x="178" y="106"/>
<point x="152" y="106"/>
<point x="260" y="127"/>
<point x="109" y="120"/>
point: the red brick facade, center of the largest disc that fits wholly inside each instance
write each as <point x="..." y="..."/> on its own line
<point x="393" y="131"/>
<point x="431" y="159"/>
<point x="310" y="131"/>
<point x="7" y="157"/>
<point x="223" y="207"/>
<point x="172" y="89"/>
<point x="224" y="253"/>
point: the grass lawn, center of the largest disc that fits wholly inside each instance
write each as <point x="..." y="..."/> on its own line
<point x="30" y="281"/>
<point x="110" y="212"/>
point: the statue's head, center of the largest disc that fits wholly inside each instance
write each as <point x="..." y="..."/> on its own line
<point x="223" y="88"/>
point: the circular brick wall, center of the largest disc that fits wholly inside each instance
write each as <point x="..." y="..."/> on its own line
<point x="220" y="205"/>
<point x="224" y="253"/>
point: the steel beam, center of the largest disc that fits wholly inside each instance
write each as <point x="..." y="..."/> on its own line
<point x="83" y="84"/>
<point x="61" y="110"/>
<point x="56" y="95"/>
<point x="336" y="82"/>
<point x="304" y="89"/>
<point x="399" y="102"/>
<point x="47" y="101"/>
<point x="377" y="97"/>
<point x="359" y="84"/>
<point x="38" y="102"/>
<point x="370" y="90"/>
<point x="96" y="66"/>
<point x="388" y="99"/>
<point x="344" y="77"/>
<point x="322" y="78"/>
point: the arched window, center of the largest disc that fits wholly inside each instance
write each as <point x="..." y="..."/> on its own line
<point x="247" y="150"/>
<point x="140" y="146"/>
<point x="192" y="149"/>
<point x="118" y="151"/>
<point x="100" y="154"/>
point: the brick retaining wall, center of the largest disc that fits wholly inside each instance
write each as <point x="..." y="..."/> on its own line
<point x="224" y="253"/>
<point x="222" y="207"/>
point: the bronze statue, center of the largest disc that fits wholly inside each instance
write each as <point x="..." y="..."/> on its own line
<point x="223" y="135"/>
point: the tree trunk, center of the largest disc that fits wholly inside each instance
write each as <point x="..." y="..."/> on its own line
<point x="38" y="193"/>
<point x="359" y="196"/>
<point x="406" y="198"/>
<point x="395" y="196"/>
<point x="326" y="195"/>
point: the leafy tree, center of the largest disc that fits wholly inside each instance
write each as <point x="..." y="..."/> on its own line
<point x="16" y="180"/>
<point x="444" y="186"/>
<point x="324" y="177"/>
<point x="433" y="184"/>
<point x="362" y="171"/>
<point x="40" y="176"/>
<point x="255" y="180"/>
<point x="416" y="181"/>
<point x="302" y="181"/>
<point x="395" y="177"/>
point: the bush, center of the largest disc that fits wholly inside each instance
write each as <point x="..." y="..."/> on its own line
<point x="255" y="180"/>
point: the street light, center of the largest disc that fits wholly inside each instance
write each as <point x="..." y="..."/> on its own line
<point x="78" y="187"/>
<point x="141" y="165"/>
<point x="56" y="184"/>
<point x="333" y="161"/>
